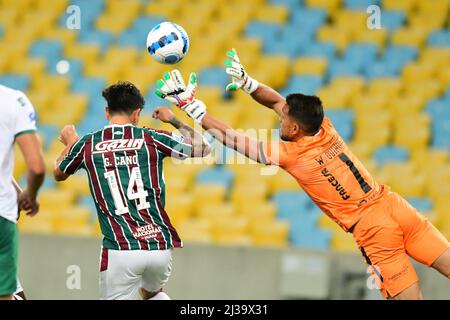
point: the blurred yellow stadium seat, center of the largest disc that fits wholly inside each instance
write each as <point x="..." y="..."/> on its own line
<point x="104" y="70"/>
<point x="327" y="223"/>
<point x="40" y="224"/>
<point x="180" y="207"/>
<point x="54" y="83"/>
<point x="215" y="212"/>
<point x="407" y="104"/>
<point x="376" y="36"/>
<point x="64" y="115"/>
<point x="9" y="14"/>
<point x="283" y="181"/>
<point x="310" y="65"/>
<point x="365" y="135"/>
<point x="13" y="50"/>
<point x="348" y="84"/>
<point x="368" y="103"/>
<point x="409" y="37"/>
<point x="385" y="86"/>
<point x="195" y="230"/>
<point x="435" y="158"/>
<point x="73" y="221"/>
<point x="413" y="71"/>
<point x="273" y="70"/>
<point x="249" y="173"/>
<point x="58" y="6"/>
<point x="332" y="98"/>
<point x="444" y="75"/>
<point x="118" y="19"/>
<point x="273" y="234"/>
<point x="169" y="9"/>
<point x="41" y="100"/>
<point x="427" y="21"/>
<point x="337" y="35"/>
<point x="56" y="199"/>
<point x="404" y="5"/>
<point x="208" y="192"/>
<point x="277" y="14"/>
<point x="427" y="88"/>
<point x="231" y="230"/>
<point x="78" y="184"/>
<point x="350" y="20"/>
<point x="361" y="150"/>
<point x="89" y="53"/>
<point x="34" y="67"/>
<point x="433" y="7"/>
<point x="412" y="132"/>
<point x="66" y="36"/>
<point x="262" y="211"/>
<point x="343" y="242"/>
<point x="331" y="6"/>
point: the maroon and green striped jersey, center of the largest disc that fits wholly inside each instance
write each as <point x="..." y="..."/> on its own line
<point x="124" y="166"/>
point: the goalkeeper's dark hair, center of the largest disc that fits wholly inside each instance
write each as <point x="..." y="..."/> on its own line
<point x="307" y="111"/>
<point x="123" y="97"/>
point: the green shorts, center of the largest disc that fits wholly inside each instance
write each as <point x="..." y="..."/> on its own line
<point x="8" y="257"/>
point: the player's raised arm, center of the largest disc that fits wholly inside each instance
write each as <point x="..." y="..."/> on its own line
<point x="240" y="79"/>
<point x="69" y="138"/>
<point x="173" y="90"/>
<point x="200" y="147"/>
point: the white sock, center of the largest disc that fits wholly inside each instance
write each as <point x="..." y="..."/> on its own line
<point x="160" y="296"/>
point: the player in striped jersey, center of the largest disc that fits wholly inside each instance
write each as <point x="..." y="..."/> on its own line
<point x="124" y="166"/>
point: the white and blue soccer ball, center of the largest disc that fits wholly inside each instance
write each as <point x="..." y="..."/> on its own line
<point x="167" y="43"/>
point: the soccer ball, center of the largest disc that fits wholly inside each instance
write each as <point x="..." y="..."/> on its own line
<point x="167" y="43"/>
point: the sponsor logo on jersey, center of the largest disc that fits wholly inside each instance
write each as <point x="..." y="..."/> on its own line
<point x="335" y="184"/>
<point x="118" y="145"/>
<point x="147" y="232"/>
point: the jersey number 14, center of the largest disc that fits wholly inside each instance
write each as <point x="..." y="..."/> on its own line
<point x="140" y="194"/>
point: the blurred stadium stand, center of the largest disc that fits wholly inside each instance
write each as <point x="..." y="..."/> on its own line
<point x="387" y="92"/>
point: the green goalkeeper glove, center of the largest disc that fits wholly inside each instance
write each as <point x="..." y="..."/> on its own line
<point x="173" y="89"/>
<point x="239" y="77"/>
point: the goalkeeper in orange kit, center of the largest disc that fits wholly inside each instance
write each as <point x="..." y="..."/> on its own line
<point x="385" y="226"/>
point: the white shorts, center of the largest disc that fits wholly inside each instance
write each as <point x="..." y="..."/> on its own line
<point x="123" y="273"/>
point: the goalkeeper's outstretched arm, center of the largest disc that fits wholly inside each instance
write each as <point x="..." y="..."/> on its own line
<point x="268" y="97"/>
<point x="240" y="79"/>
<point x="200" y="147"/>
<point x="231" y="138"/>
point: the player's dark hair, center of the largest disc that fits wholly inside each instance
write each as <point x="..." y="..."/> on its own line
<point x="123" y="97"/>
<point x="306" y="110"/>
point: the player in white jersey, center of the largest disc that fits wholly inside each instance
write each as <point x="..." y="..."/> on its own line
<point x="17" y="125"/>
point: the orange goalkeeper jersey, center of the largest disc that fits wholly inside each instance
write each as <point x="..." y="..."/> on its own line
<point x="328" y="172"/>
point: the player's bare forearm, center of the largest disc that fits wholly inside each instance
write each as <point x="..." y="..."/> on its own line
<point x="30" y="147"/>
<point x="268" y="97"/>
<point x="231" y="138"/>
<point x="200" y="148"/>
<point x="57" y="173"/>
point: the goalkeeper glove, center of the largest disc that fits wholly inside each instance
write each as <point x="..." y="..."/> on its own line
<point x="173" y="89"/>
<point x="239" y="77"/>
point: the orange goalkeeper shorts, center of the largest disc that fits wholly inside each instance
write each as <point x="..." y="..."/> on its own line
<point x="390" y="231"/>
